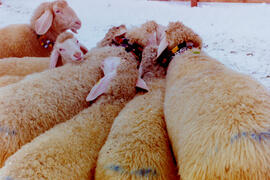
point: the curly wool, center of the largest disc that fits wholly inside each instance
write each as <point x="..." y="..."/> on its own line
<point x="138" y="145"/>
<point x="54" y="154"/>
<point x="217" y="120"/>
<point x="34" y="105"/>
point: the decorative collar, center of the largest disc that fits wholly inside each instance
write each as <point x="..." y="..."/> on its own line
<point x="45" y="43"/>
<point x="167" y="55"/>
<point x="134" y="48"/>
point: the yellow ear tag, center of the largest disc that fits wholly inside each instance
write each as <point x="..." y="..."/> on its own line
<point x="196" y="52"/>
<point x="175" y="49"/>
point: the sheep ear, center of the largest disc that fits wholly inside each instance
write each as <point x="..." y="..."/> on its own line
<point x="101" y="87"/>
<point x="54" y="59"/>
<point x="142" y="84"/>
<point x="163" y="44"/>
<point x="44" y="22"/>
<point x="83" y="48"/>
<point x="153" y="39"/>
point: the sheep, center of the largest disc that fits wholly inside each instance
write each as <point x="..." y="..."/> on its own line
<point x="37" y="38"/>
<point x="34" y="105"/>
<point x="138" y="145"/>
<point x="218" y="120"/>
<point x="23" y="66"/>
<point x="70" y="149"/>
<point x="137" y="40"/>
<point x="6" y="80"/>
<point x="67" y="49"/>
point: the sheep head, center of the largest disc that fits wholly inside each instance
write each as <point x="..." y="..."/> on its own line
<point x="162" y="38"/>
<point x="177" y="33"/>
<point x="54" y="17"/>
<point x="67" y="49"/>
<point x="111" y="34"/>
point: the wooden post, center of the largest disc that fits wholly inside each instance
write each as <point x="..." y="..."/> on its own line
<point x="194" y="3"/>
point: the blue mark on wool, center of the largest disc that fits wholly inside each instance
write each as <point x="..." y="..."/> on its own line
<point x="8" y="178"/>
<point x="256" y="136"/>
<point x="143" y="172"/>
<point x="116" y="168"/>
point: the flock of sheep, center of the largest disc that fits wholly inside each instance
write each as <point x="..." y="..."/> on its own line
<point x="145" y="103"/>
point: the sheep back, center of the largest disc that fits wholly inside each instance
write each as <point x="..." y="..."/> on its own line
<point x="218" y="120"/>
<point x="137" y="146"/>
<point x="19" y="40"/>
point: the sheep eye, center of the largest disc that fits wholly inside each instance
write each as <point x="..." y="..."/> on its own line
<point x="61" y="50"/>
<point x="77" y="41"/>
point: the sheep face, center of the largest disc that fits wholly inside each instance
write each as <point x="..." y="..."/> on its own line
<point x="70" y="50"/>
<point x="64" y="18"/>
<point x="67" y="49"/>
<point x="55" y="17"/>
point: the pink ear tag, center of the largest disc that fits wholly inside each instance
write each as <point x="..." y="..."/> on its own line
<point x="142" y="84"/>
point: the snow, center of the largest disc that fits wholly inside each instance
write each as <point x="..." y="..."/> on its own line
<point x="235" y="34"/>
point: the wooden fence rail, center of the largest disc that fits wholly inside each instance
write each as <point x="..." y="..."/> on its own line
<point x="195" y="2"/>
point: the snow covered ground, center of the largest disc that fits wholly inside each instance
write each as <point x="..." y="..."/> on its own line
<point x="235" y="34"/>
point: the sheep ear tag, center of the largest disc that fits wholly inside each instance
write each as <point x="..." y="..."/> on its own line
<point x="43" y="23"/>
<point x="54" y="59"/>
<point x="100" y="87"/>
<point x="163" y="45"/>
<point x="141" y="84"/>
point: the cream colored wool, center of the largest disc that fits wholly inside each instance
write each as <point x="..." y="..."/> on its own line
<point x="23" y="66"/>
<point x="6" y="80"/>
<point x="20" y="40"/>
<point x="70" y="149"/>
<point x="13" y="70"/>
<point x="34" y="105"/>
<point x="218" y="120"/>
<point x="138" y="145"/>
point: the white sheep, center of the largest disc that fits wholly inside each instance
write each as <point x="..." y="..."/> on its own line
<point x="138" y="145"/>
<point x="67" y="49"/>
<point x="218" y="120"/>
<point x="34" y="105"/>
<point x="37" y="39"/>
<point x="70" y="150"/>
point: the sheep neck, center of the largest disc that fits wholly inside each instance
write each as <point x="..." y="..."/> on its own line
<point x="167" y="55"/>
<point x="47" y="40"/>
<point x="134" y="48"/>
